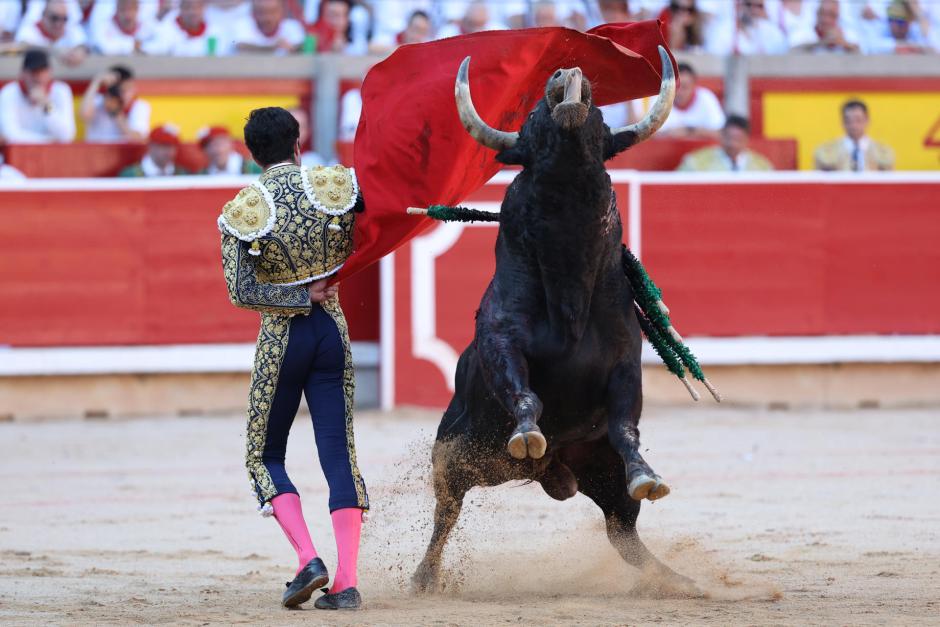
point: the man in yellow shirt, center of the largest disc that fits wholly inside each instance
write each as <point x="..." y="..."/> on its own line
<point x="731" y="155"/>
<point x="856" y="152"/>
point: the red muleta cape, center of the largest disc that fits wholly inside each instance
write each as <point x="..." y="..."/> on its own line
<point x="412" y="151"/>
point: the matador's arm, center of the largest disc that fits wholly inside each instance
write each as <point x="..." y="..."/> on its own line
<point x="245" y="291"/>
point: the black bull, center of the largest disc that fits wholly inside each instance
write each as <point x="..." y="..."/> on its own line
<point x="553" y="372"/>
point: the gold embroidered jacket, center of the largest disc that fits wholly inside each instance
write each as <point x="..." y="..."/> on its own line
<point x="292" y="226"/>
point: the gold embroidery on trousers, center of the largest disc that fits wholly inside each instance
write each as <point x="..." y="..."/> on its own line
<point x="269" y="356"/>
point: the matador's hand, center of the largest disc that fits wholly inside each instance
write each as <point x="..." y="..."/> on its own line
<point x="319" y="291"/>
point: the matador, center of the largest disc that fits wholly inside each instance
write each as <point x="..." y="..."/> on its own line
<point x="283" y="236"/>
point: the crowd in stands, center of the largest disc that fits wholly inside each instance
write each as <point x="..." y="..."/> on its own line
<point x="38" y="109"/>
<point x="75" y="28"/>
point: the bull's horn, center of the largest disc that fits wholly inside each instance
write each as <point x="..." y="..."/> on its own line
<point x="478" y="129"/>
<point x="660" y="109"/>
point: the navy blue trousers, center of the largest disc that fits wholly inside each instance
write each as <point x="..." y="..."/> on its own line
<point x="314" y="363"/>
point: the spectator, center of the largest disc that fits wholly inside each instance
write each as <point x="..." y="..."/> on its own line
<point x="124" y="34"/>
<point x="476" y="19"/>
<point x="268" y="30"/>
<point x="418" y="30"/>
<point x="391" y="18"/>
<point x="332" y="29"/>
<point x="792" y="16"/>
<point x="350" y="108"/>
<point x="732" y="155"/>
<point x="36" y="109"/>
<point x="308" y="158"/>
<point x="856" y="151"/>
<point x="900" y="37"/>
<point x="185" y="35"/>
<point x="570" y="13"/>
<point x="160" y="159"/>
<point x="827" y="36"/>
<point x="544" y="14"/>
<point x="8" y="172"/>
<point x="55" y="32"/>
<point x="750" y="32"/>
<point x="685" y="25"/>
<point x="216" y="143"/>
<point x="111" y="109"/>
<point x="614" y="11"/>
<point x="696" y="112"/>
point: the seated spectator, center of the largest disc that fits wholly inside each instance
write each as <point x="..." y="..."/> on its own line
<point x="750" y="32"/>
<point x="54" y="32"/>
<point x="855" y="152"/>
<point x="732" y="155"/>
<point x="900" y="37"/>
<point x="391" y="18"/>
<point x="111" y="109"/>
<point x="268" y="30"/>
<point x="827" y="35"/>
<point x="8" y="172"/>
<point x="332" y="28"/>
<point x="350" y="108"/>
<point x="123" y="34"/>
<point x="160" y="159"/>
<point x="696" y="112"/>
<point x="216" y="143"/>
<point x="685" y="25"/>
<point x="187" y="34"/>
<point x="523" y="14"/>
<point x="36" y="109"/>
<point x="418" y="30"/>
<point x="614" y="11"/>
<point x="308" y="158"/>
<point x="475" y="20"/>
<point x="792" y="16"/>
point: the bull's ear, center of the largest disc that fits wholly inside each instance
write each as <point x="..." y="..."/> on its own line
<point x="615" y="144"/>
<point x="517" y="155"/>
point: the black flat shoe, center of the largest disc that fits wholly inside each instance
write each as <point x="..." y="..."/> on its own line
<point x="307" y="580"/>
<point x="348" y="599"/>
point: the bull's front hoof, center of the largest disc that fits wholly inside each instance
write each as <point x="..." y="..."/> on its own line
<point x="527" y="444"/>
<point x="645" y="486"/>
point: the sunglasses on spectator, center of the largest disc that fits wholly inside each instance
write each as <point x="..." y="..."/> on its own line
<point x="754" y="5"/>
<point x="898" y="20"/>
<point x="57" y="19"/>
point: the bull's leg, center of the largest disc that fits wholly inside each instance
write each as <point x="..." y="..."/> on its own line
<point x="624" y="404"/>
<point x="450" y="486"/>
<point x="507" y="373"/>
<point x="601" y="480"/>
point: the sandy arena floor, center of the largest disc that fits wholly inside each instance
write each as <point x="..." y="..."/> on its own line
<point x="783" y="517"/>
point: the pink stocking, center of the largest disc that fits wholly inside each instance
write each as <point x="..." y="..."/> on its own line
<point x="290" y="516"/>
<point x="347" y="524"/>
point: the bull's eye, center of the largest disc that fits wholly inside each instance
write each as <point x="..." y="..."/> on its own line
<point x="557" y="74"/>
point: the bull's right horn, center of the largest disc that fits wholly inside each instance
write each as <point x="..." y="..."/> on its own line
<point x="478" y="129"/>
<point x="660" y="109"/>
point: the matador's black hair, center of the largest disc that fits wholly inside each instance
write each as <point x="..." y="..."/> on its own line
<point x="270" y="134"/>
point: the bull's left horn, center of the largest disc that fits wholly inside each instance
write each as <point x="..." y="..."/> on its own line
<point x="660" y="109"/>
<point x="478" y="129"/>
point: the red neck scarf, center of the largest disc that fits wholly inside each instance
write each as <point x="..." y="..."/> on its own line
<point x="199" y="31"/>
<point x="46" y="33"/>
<point x="131" y="32"/>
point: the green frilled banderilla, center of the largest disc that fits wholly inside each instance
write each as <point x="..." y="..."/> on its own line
<point x="650" y="310"/>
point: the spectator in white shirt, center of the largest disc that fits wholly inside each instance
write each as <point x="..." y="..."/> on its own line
<point x="8" y="172"/>
<point x="111" y="109"/>
<point x="827" y="35"/>
<point x="55" y="31"/>
<point x="332" y="29"/>
<point x="614" y="11"/>
<point x="268" y="30"/>
<point x="10" y="14"/>
<point x="476" y="19"/>
<point x="350" y="108"/>
<point x="184" y="34"/>
<point x="696" y="112"/>
<point x="124" y="33"/>
<point x="902" y="34"/>
<point x="223" y="17"/>
<point x="217" y="144"/>
<point x="417" y="31"/>
<point x="36" y="109"/>
<point x="750" y="32"/>
<point x="391" y="18"/>
<point x="792" y="16"/>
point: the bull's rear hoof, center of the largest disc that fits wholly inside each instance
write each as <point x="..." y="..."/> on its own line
<point x="645" y="486"/>
<point x="527" y="444"/>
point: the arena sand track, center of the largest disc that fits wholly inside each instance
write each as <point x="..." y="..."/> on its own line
<point x="783" y="517"/>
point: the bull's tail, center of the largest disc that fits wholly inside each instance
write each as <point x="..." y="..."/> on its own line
<point x="653" y="316"/>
